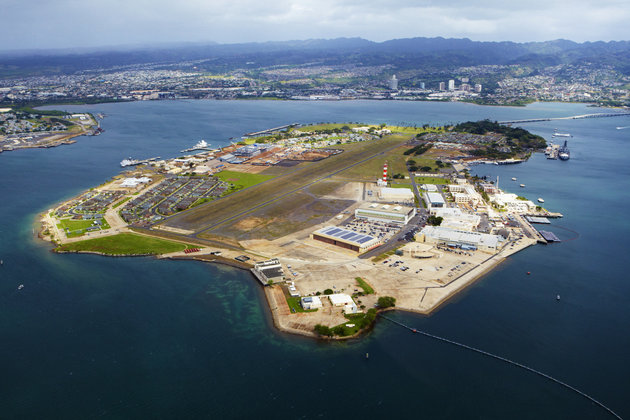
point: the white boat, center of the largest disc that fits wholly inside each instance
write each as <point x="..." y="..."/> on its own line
<point x="540" y="200"/>
<point x="20" y="287"/>
<point x="561" y="135"/>
<point x="513" y="179"/>
<point x="522" y="185"/>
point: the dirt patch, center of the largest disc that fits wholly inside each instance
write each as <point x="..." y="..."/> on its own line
<point x="250" y="223"/>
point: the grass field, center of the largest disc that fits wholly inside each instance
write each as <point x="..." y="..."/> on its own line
<point x="373" y="169"/>
<point x="237" y="205"/>
<point x="74" y="228"/>
<point x="430" y="180"/>
<point x="326" y="126"/>
<point x="126" y="244"/>
<point x="241" y="180"/>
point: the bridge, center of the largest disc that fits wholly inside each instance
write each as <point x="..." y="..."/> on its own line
<point x="574" y="117"/>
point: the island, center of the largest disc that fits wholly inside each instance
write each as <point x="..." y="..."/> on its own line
<point x="337" y="222"/>
<point x="25" y="128"/>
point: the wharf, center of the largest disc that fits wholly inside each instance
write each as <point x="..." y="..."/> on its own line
<point x="530" y="230"/>
<point x="549" y="236"/>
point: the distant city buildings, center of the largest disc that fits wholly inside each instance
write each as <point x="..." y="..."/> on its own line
<point x="451" y="84"/>
<point x="442" y="86"/>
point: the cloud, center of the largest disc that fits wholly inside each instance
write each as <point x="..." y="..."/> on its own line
<point x="71" y="23"/>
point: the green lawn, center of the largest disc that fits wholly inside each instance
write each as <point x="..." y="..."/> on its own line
<point x="408" y="186"/>
<point x="241" y="180"/>
<point x="294" y="303"/>
<point x="77" y="227"/>
<point x="430" y="180"/>
<point x="126" y="244"/>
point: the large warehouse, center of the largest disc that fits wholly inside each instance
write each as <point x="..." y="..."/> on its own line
<point x="434" y="199"/>
<point x="345" y="238"/>
<point x="460" y="239"/>
<point x="385" y="213"/>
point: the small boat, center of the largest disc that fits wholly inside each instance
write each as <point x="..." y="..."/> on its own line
<point x="540" y="200"/>
<point x="367" y="355"/>
<point x="513" y="179"/>
<point x="413" y="330"/>
<point x="522" y="185"/>
<point x="20" y="287"/>
<point x="557" y="297"/>
<point x="529" y="272"/>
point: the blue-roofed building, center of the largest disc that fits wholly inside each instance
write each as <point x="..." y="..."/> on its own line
<point x="345" y="238"/>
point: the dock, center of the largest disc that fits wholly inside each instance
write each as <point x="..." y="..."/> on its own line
<point x="549" y="236"/>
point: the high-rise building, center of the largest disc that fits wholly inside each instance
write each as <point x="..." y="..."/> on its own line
<point x="393" y="83"/>
<point x="451" y="84"/>
<point x="465" y="87"/>
<point x="442" y="86"/>
<point x="421" y="85"/>
<point x="478" y="88"/>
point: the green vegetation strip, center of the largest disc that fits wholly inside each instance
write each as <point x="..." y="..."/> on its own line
<point x="125" y="244"/>
<point x="367" y="289"/>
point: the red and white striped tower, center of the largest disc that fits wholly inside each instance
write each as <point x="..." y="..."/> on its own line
<point x="385" y="173"/>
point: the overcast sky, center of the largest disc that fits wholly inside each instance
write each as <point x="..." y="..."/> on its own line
<point x="87" y="23"/>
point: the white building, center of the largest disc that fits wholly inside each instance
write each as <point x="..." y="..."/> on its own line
<point x="134" y="182"/>
<point x="434" y="199"/>
<point x="400" y="195"/>
<point x="451" y="84"/>
<point x="393" y="83"/>
<point x="455" y="218"/>
<point x="512" y="203"/>
<point x="311" y="302"/>
<point x="460" y="239"/>
<point x="385" y="212"/>
<point x="342" y="299"/>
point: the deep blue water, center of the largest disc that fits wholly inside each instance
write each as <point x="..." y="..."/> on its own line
<point x="92" y="336"/>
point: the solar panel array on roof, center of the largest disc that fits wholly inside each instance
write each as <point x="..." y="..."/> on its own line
<point x="346" y="235"/>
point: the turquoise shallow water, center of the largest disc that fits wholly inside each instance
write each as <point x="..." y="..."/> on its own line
<point x="92" y="336"/>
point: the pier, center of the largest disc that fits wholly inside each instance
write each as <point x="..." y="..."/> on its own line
<point x="506" y="360"/>
<point x="574" y="117"/>
<point x="270" y="130"/>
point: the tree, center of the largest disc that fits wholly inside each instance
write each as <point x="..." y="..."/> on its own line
<point x="434" y="220"/>
<point x="386" y="302"/>
<point x="328" y="292"/>
<point x="323" y="330"/>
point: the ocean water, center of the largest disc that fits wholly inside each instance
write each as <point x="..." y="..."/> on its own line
<point x="92" y="336"/>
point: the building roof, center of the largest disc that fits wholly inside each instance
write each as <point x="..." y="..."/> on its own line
<point x="459" y="236"/>
<point x="340" y="299"/>
<point x="386" y="208"/>
<point x="405" y="192"/>
<point x="435" y="197"/>
<point x="346" y="235"/>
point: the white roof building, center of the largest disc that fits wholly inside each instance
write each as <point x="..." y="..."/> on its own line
<point x="342" y="299"/>
<point x="459" y="238"/>
<point x="512" y="203"/>
<point x="311" y="302"/>
<point x="396" y="194"/>
<point x="385" y="213"/>
<point x="134" y="182"/>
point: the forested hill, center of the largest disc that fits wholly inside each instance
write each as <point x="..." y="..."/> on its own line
<point x="437" y="53"/>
